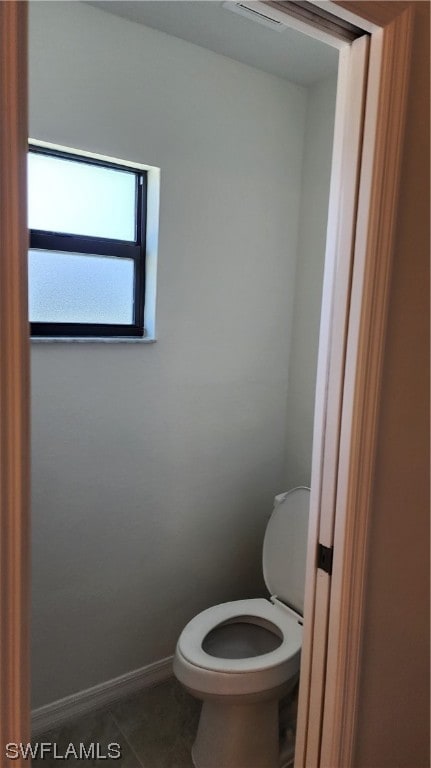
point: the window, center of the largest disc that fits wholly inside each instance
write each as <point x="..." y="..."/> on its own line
<point x="87" y="220"/>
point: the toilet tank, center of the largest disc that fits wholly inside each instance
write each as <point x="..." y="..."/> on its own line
<point x="285" y="548"/>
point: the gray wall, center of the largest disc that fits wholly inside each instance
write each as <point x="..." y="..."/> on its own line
<point x="309" y="281"/>
<point x="155" y="466"/>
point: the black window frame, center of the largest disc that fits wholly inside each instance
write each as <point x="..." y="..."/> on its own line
<point x="69" y="243"/>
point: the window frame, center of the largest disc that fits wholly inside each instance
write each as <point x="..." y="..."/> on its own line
<point x="49" y="240"/>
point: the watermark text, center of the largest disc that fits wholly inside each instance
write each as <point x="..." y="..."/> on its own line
<point x="48" y="749"/>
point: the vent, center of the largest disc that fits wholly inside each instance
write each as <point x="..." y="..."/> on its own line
<point x="243" y="9"/>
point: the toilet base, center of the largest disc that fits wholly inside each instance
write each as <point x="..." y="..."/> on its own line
<point x="237" y="735"/>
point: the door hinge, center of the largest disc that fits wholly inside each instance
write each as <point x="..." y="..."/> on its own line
<point x="324" y="558"/>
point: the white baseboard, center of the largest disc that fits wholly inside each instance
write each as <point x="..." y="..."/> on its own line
<point x="59" y="712"/>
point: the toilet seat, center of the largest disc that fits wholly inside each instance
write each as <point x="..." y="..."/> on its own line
<point x="195" y="632"/>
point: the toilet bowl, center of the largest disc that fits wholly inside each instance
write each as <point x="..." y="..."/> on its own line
<point x="241" y="657"/>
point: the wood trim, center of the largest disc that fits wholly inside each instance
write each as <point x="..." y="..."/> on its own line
<point x="329" y="386"/>
<point x="337" y="671"/>
<point x="342" y="243"/>
<point x="377" y="12"/>
<point x="376" y="223"/>
<point x="14" y="383"/>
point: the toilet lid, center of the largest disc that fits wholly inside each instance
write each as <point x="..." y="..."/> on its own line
<point x="285" y="548"/>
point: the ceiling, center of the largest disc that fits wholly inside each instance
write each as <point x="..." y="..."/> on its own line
<point x="286" y="53"/>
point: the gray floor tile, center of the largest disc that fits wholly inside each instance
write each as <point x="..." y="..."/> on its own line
<point x="155" y="729"/>
<point x="160" y="724"/>
<point x="99" y="728"/>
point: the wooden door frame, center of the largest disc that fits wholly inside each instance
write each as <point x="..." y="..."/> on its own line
<point x="14" y="385"/>
<point x="389" y="25"/>
<point x="333" y="622"/>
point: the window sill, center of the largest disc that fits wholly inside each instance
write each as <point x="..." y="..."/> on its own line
<point x="91" y="340"/>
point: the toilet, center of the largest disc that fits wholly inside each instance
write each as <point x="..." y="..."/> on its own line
<point x="241" y="657"/>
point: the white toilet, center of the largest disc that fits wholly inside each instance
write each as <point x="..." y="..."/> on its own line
<point x="241" y="657"/>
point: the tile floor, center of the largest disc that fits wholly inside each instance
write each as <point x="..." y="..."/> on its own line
<point x="155" y="729"/>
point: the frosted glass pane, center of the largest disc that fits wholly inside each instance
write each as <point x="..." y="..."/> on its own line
<point x="80" y="199"/>
<point x="76" y="288"/>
